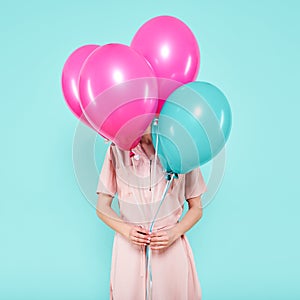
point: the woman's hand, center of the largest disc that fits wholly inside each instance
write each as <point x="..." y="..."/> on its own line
<point x="138" y="236"/>
<point x="163" y="239"/>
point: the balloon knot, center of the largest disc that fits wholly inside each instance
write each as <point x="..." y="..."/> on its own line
<point x="155" y="122"/>
<point x="168" y="175"/>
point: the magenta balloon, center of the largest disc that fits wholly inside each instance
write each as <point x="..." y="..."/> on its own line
<point x="171" y="49"/>
<point x="118" y="92"/>
<point x="70" y="79"/>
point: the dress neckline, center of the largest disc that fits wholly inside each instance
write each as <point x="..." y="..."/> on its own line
<point x="142" y="151"/>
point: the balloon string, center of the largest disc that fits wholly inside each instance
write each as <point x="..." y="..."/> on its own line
<point x="169" y="182"/>
<point x="148" y="249"/>
<point x="155" y="123"/>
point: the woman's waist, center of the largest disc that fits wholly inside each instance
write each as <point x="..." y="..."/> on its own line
<point x="164" y="223"/>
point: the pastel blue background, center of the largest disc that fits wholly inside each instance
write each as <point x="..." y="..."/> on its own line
<point x="247" y="245"/>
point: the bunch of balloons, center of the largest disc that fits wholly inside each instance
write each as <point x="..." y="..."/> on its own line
<point x="118" y="90"/>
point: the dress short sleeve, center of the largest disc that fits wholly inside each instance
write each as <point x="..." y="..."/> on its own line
<point x="107" y="178"/>
<point x="194" y="184"/>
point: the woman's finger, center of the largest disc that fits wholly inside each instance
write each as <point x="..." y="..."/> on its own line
<point x="154" y="242"/>
<point x="140" y="240"/>
<point x="158" y="233"/>
<point x="139" y="243"/>
<point x="141" y="230"/>
<point x="159" y="243"/>
<point x="141" y="236"/>
<point x="135" y="240"/>
<point x="159" y="238"/>
<point x="159" y="247"/>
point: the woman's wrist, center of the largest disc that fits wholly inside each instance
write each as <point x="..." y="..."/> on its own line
<point x="177" y="230"/>
<point x="125" y="230"/>
<point x="193" y="215"/>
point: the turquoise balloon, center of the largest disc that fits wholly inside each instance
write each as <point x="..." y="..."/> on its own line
<point x="193" y="126"/>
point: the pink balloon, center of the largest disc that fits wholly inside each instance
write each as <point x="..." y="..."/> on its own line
<point x="118" y="93"/>
<point x="70" y="78"/>
<point x="172" y="50"/>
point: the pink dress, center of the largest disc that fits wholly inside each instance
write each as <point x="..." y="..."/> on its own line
<point x="139" y="183"/>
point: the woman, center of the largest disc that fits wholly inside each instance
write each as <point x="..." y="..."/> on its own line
<point x="139" y="181"/>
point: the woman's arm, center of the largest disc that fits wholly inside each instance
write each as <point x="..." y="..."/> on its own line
<point x="192" y="216"/>
<point x="164" y="239"/>
<point x="136" y="235"/>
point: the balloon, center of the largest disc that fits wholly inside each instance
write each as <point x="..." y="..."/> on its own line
<point x="171" y="49"/>
<point x="193" y="126"/>
<point x="70" y="77"/>
<point x="118" y="92"/>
